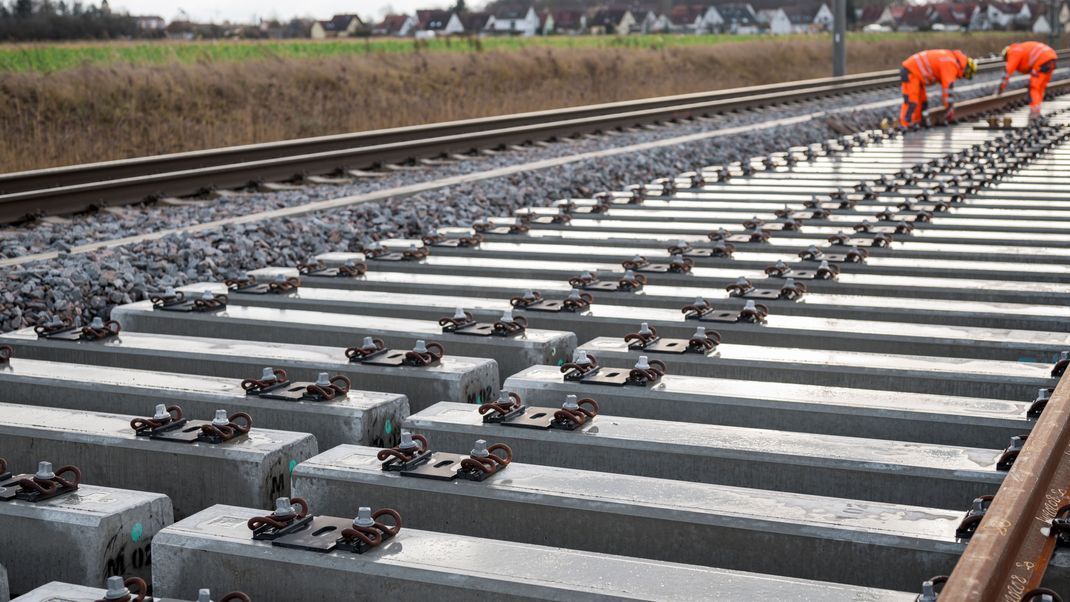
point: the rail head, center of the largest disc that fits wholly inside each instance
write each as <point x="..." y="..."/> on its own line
<point x="1011" y="549"/>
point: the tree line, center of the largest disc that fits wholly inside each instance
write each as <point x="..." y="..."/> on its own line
<point x="24" y="20"/>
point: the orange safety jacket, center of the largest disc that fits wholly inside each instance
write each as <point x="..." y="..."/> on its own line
<point x="943" y="66"/>
<point x="1028" y="57"/>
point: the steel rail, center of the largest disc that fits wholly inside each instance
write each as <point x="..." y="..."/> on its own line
<point x="1011" y="548"/>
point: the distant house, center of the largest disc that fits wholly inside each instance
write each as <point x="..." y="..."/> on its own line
<point x="913" y="18"/>
<point x="775" y="21"/>
<point x="340" y="26"/>
<point x="149" y="22"/>
<point x="1040" y="24"/>
<point x="870" y="14"/>
<point x="395" y="25"/>
<point x="432" y="23"/>
<point x="739" y="19"/>
<point x="948" y="16"/>
<point x="546" y="23"/>
<point x="810" y="18"/>
<point x="1001" y="16"/>
<point x="646" y="21"/>
<point x="569" y="21"/>
<point x="476" y="23"/>
<point x="517" y="21"/>
<point x="611" y="21"/>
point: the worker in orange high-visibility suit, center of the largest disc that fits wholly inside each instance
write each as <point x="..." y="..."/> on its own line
<point x="1036" y="59"/>
<point x="925" y="69"/>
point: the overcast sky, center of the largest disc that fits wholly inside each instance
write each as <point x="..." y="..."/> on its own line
<point x="246" y="10"/>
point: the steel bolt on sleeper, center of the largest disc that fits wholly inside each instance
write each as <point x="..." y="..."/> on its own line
<point x="119" y="590"/>
<point x="172" y="300"/>
<point x="350" y="269"/>
<point x="373" y="352"/>
<point x="274" y="384"/>
<point x="63" y="330"/>
<point x="289" y="516"/>
<point x="169" y="424"/>
<point x="928" y="589"/>
<point x="1010" y="453"/>
<point x="414" y="458"/>
<point x="1037" y="407"/>
<point x="280" y="285"/>
<point x="291" y="526"/>
<point x="43" y="485"/>
<point x="452" y="237"/>
<point x="968" y="526"/>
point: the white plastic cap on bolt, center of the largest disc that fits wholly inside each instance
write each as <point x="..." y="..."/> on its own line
<point x="221" y="418"/>
<point x="458" y="314"/>
<point x="97" y="323"/>
<point x="677" y="258"/>
<point x="700" y="333"/>
<point x="207" y="295"/>
<point x="367" y="343"/>
<point x="503" y="397"/>
<point x="323" y="379"/>
<point x="204" y="595"/>
<point x="574" y="295"/>
<point x="364" y="518"/>
<point x="638" y="259"/>
<point x="813" y="250"/>
<point x="579" y="357"/>
<point x="699" y="301"/>
<point x="629" y="275"/>
<point x="480" y="450"/>
<point x="586" y="274"/>
<point x="161" y="412"/>
<point x="570" y="403"/>
<point x="283" y="507"/>
<point x="682" y="244"/>
<point x="267" y="374"/>
<point x="421" y="346"/>
<point x="750" y="305"/>
<point x="643" y="363"/>
<point x="117" y="590"/>
<point x="44" y="471"/>
<point x="406" y="440"/>
<point x="780" y="265"/>
<point x="169" y="292"/>
<point x="824" y="265"/>
<point x="280" y="277"/>
<point x="789" y="283"/>
<point x="644" y="329"/>
<point x="529" y="294"/>
<point x="507" y="316"/>
<point x="742" y="281"/>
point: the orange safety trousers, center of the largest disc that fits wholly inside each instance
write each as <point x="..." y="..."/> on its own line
<point x="1038" y="84"/>
<point x="914" y="97"/>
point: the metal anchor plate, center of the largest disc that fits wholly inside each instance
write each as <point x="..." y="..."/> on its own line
<point x="761" y="293"/>
<point x="441" y="466"/>
<point x="477" y="329"/>
<point x="320" y="535"/>
<point x="660" y="345"/>
<point x="389" y="357"/>
<point x="617" y="377"/>
<point x="268" y="533"/>
<point x="389" y="257"/>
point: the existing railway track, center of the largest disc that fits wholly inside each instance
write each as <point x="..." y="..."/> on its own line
<point x="77" y="188"/>
<point x="842" y="439"/>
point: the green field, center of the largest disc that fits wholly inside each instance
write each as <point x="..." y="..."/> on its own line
<point x="57" y="57"/>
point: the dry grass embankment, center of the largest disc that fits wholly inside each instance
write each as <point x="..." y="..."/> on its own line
<point x="110" y="110"/>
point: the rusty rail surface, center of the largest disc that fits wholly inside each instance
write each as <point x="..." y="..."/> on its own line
<point x="977" y="106"/>
<point x="1009" y="552"/>
<point x="82" y="187"/>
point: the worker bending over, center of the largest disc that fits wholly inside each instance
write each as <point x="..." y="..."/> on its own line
<point x="1036" y="59"/>
<point x="926" y="68"/>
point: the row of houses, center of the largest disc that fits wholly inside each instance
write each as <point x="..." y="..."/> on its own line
<point x="727" y="18"/>
<point x="800" y="17"/>
<point x="965" y="16"/>
<point x="803" y="16"/>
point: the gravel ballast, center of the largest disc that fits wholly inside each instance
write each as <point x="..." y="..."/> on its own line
<point x="83" y="285"/>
